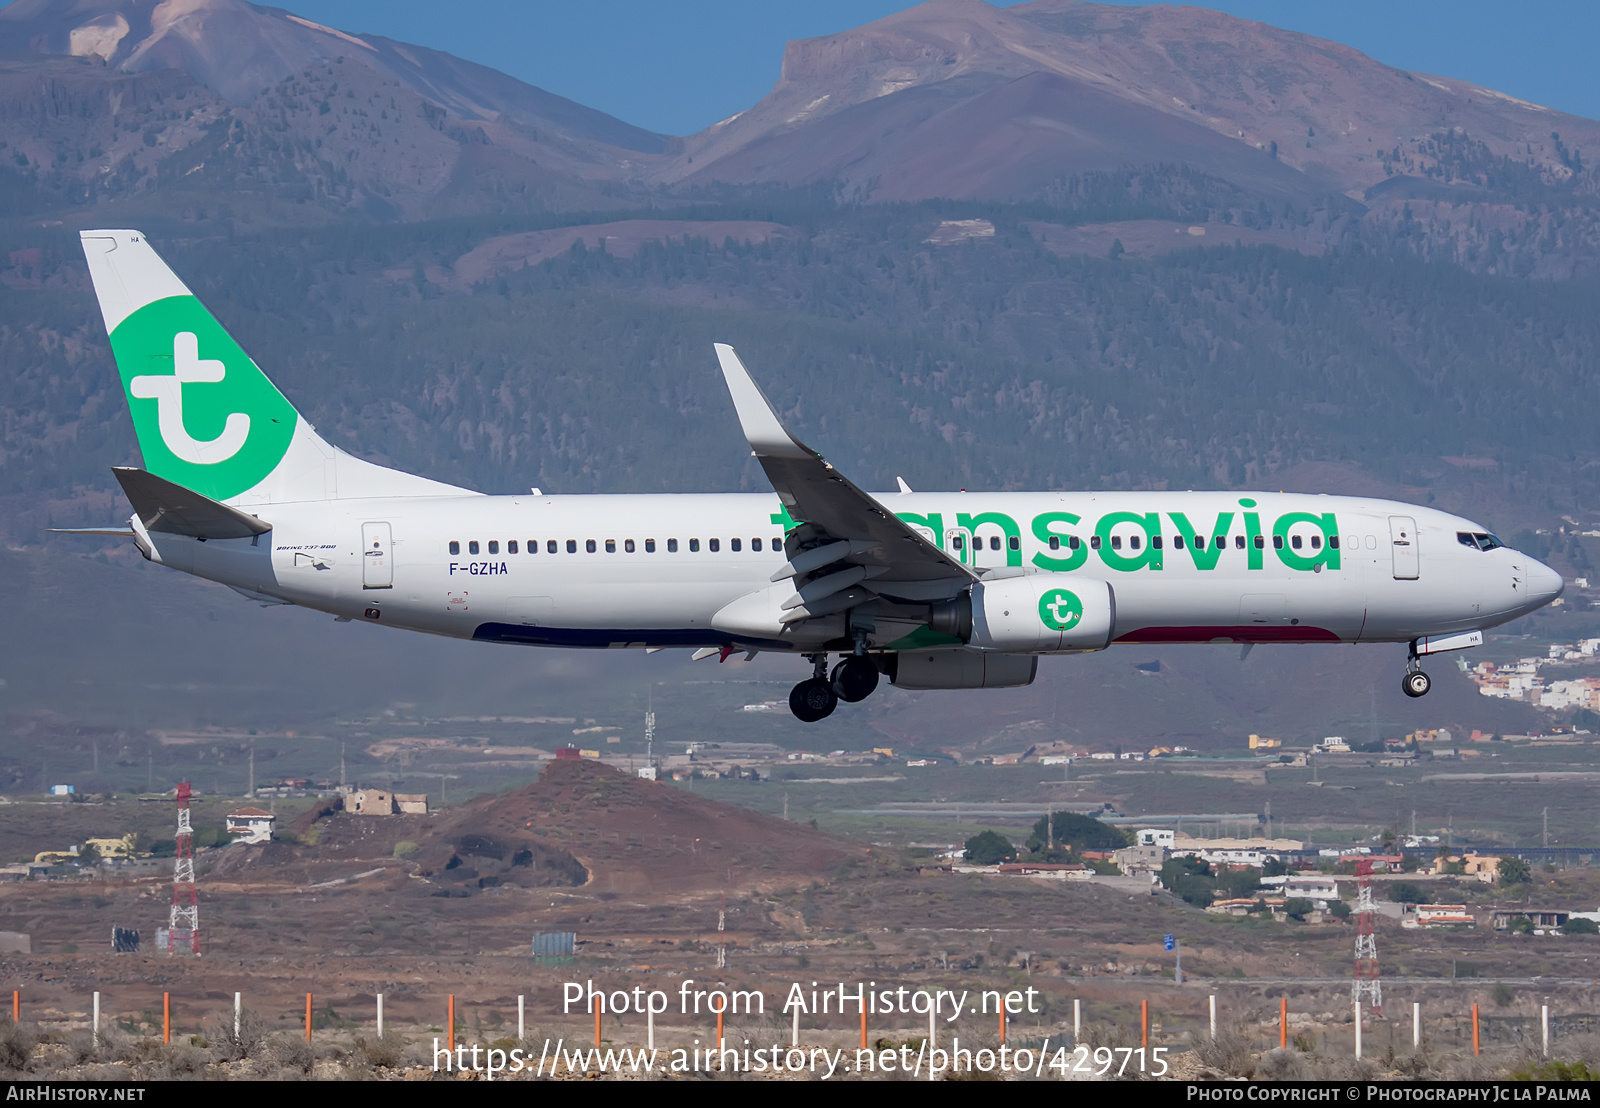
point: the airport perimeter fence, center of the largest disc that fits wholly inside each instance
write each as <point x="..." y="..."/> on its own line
<point x="1407" y="1027"/>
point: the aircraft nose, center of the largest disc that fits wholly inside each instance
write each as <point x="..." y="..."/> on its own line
<point x="1544" y="584"/>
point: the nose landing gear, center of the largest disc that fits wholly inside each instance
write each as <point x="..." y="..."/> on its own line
<point x="1415" y="683"/>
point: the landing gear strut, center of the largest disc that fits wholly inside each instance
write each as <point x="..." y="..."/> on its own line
<point x="1415" y="683"/>
<point x="814" y="699"/>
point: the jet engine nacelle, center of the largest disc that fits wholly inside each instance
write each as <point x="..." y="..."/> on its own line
<point x="1044" y="612"/>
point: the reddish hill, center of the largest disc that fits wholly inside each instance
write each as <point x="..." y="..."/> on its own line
<point x="581" y="824"/>
<point x="636" y="836"/>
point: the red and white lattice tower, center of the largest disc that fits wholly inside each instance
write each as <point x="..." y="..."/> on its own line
<point x="1366" y="982"/>
<point x="183" y="926"/>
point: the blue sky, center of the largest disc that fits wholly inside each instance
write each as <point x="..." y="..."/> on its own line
<point x="681" y="65"/>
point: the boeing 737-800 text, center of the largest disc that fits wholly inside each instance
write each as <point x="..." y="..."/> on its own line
<point x="932" y="590"/>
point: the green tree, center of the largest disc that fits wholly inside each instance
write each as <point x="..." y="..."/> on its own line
<point x="1409" y="892"/>
<point x="988" y="847"/>
<point x="1082" y="832"/>
<point x="1190" y="879"/>
<point x="1298" y="907"/>
<point x="1513" y="871"/>
<point x="1239" y="882"/>
<point x="1580" y="927"/>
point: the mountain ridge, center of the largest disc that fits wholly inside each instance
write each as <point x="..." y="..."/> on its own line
<point x="1339" y="123"/>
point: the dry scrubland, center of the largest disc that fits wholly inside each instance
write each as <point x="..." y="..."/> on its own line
<point x="422" y="908"/>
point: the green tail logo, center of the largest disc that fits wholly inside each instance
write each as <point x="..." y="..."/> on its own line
<point x="207" y="418"/>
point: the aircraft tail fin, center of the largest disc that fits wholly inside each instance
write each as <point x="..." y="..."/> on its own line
<point x="208" y="420"/>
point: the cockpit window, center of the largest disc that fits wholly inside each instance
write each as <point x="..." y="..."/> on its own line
<point x="1478" y="540"/>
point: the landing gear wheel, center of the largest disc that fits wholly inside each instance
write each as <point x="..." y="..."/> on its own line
<point x="854" y="679"/>
<point x="1416" y="683"/>
<point x="812" y="700"/>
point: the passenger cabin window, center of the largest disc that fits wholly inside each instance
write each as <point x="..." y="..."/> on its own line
<point x="1073" y="543"/>
<point x="589" y="545"/>
<point x="572" y="546"/>
<point x="777" y="544"/>
<point x="649" y="546"/>
<point x="733" y="545"/>
<point x="1238" y="542"/>
<point x="472" y="546"/>
<point x="714" y="545"/>
<point x="1333" y="542"/>
<point x="627" y="546"/>
<point x="494" y="546"/>
<point x="1014" y="543"/>
<point x="1094" y="542"/>
<point x="1277" y="542"/>
<point x="1261" y="542"/>
<point x="511" y="547"/>
<point x="1294" y="541"/>
<point x="1316" y="542"/>
<point x="955" y="542"/>
<point x="1222" y="542"/>
<point x="1177" y="542"/>
<point x="1116" y="542"/>
<point x="994" y="542"/>
<point x="611" y="546"/>
<point x="694" y="546"/>
<point x="550" y="547"/>
<point x="1055" y="542"/>
<point x="455" y="547"/>
<point x="1155" y="542"/>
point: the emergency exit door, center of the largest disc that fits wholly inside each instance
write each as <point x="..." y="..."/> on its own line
<point x="1403" y="544"/>
<point x="377" y="561"/>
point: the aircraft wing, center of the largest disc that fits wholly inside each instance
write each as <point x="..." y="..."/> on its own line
<point x="843" y="525"/>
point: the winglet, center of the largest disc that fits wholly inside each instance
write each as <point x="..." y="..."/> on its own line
<point x="765" y="431"/>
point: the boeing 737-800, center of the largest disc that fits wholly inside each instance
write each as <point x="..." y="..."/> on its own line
<point x="932" y="590"/>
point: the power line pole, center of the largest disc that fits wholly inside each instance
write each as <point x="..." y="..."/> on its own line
<point x="1365" y="981"/>
<point x="1544" y="837"/>
<point x="183" y="923"/>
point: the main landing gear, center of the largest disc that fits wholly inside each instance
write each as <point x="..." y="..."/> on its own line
<point x="1415" y="683"/>
<point x="852" y="681"/>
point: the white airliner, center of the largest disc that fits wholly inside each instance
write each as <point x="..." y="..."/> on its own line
<point x="933" y="590"/>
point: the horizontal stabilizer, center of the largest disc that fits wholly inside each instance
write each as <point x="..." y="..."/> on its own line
<point x="163" y="506"/>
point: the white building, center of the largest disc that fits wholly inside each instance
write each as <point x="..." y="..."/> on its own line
<point x="1315" y="887"/>
<point x="251" y="825"/>
<point x="1155" y="836"/>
